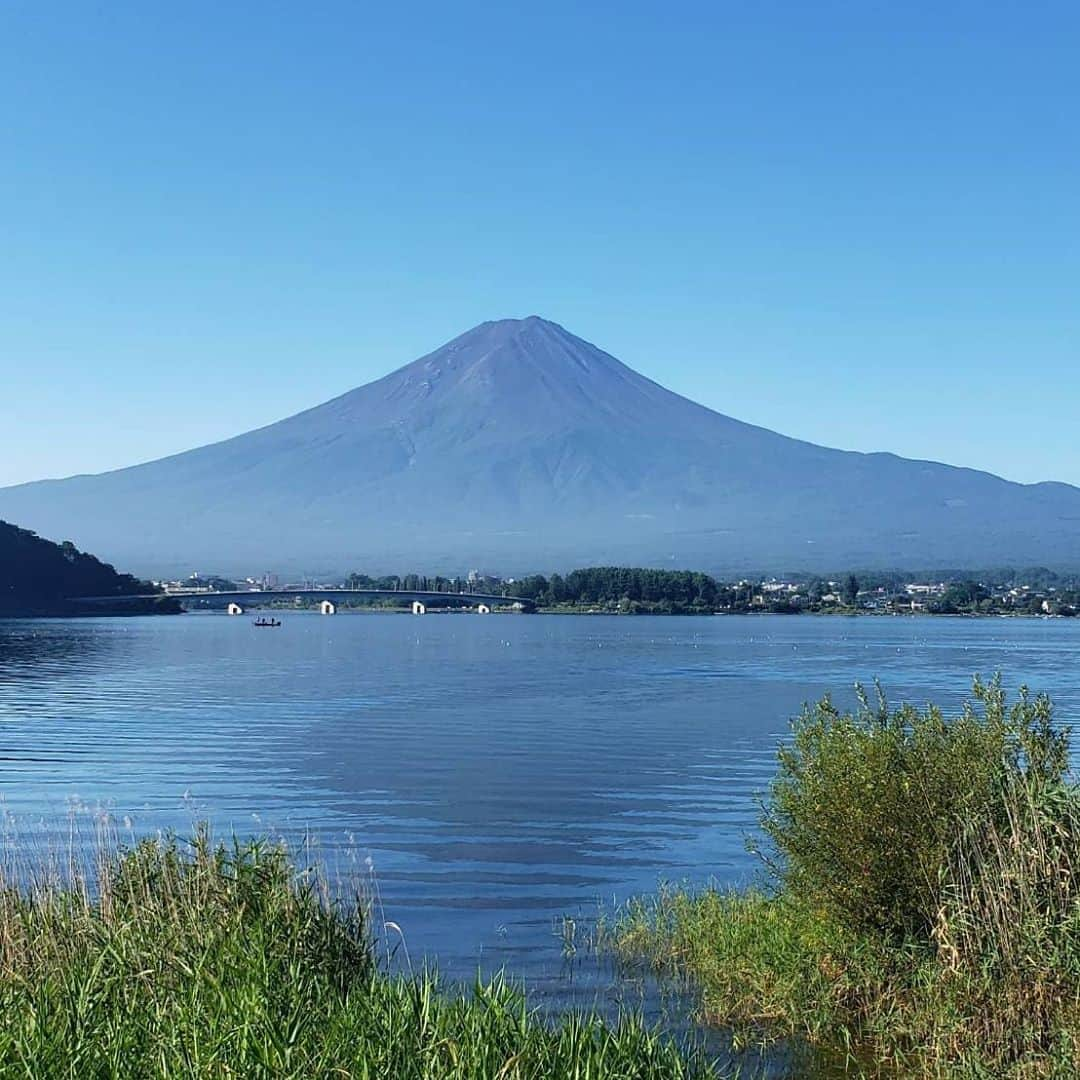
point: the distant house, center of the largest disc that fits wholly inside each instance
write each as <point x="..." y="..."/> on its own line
<point x="902" y="603"/>
<point x="775" y="586"/>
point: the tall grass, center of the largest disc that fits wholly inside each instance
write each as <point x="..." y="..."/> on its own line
<point x="1008" y="927"/>
<point x="199" y="959"/>
<point x="923" y="910"/>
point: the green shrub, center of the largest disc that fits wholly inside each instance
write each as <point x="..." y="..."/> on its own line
<point x="924" y="918"/>
<point x="867" y="807"/>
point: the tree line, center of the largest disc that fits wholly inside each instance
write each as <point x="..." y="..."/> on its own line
<point x="422" y="583"/>
<point x="40" y="577"/>
<point x="630" y="586"/>
<point x="645" y="589"/>
<point x="605" y="585"/>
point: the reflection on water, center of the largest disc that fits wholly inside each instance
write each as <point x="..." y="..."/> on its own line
<point x="499" y="773"/>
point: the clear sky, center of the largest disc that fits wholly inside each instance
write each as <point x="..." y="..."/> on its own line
<point x="857" y="223"/>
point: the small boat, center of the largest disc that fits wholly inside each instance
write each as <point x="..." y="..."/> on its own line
<point x="262" y="622"/>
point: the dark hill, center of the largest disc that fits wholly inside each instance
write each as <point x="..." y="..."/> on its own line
<point x="38" y="577"/>
<point x="518" y="446"/>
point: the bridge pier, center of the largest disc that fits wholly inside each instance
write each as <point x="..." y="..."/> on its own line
<point x="327" y="608"/>
<point x="235" y="609"/>
<point x="418" y="608"/>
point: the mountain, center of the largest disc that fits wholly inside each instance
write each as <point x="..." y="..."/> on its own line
<point x="519" y="446"/>
<point x="38" y="577"/>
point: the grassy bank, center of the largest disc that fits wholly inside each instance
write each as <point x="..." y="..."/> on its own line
<point x="196" y="960"/>
<point x="921" y="915"/>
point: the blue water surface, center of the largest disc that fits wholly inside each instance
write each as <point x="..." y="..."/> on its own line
<point x="485" y="776"/>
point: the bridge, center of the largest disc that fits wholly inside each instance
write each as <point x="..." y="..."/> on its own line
<point x="328" y="599"/>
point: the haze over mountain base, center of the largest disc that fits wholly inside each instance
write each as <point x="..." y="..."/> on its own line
<point x="520" y="447"/>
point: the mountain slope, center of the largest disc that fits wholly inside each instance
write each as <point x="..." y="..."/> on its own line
<point x="520" y="446"/>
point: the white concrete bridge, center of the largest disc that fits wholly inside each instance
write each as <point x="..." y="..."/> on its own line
<point x="237" y="601"/>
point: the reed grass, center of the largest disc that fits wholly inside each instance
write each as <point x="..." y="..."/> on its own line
<point x="202" y="959"/>
<point x="971" y="967"/>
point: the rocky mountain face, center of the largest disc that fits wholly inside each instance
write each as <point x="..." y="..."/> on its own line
<point x="518" y="446"/>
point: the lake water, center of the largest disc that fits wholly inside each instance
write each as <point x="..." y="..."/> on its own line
<point x="498" y="772"/>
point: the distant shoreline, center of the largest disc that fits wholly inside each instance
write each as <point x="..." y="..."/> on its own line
<point x="818" y="614"/>
<point x="580" y="612"/>
<point x="127" y="612"/>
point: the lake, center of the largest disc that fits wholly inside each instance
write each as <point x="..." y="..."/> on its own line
<point x="489" y="775"/>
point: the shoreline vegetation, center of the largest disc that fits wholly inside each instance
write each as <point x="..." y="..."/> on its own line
<point x="40" y="578"/>
<point x="610" y="590"/>
<point x="919" y="915"/>
<point x="206" y="960"/>
<point x="631" y="590"/>
<point x="920" y="912"/>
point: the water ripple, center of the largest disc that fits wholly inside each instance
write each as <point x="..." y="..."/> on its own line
<point x="497" y="772"/>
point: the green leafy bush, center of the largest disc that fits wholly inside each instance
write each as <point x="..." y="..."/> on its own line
<point x="867" y="806"/>
<point x="924" y="915"/>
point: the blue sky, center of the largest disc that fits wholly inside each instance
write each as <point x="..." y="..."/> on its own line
<point x="853" y="223"/>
